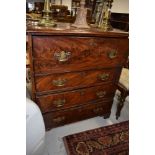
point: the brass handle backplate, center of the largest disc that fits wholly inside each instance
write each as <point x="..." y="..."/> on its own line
<point x="59" y="103"/>
<point x="101" y="94"/>
<point x="97" y="110"/>
<point x="62" y="56"/>
<point x="59" y="82"/>
<point x="112" y="54"/>
<point x="59" y="119"/>
<point x="103" y="76"/>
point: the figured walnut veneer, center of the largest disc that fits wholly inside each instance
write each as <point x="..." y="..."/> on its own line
<point x="75" y="73"/>
<point x="83" y="50"/>
<point x="76" y="97"/>
<point x="74" y="79"/>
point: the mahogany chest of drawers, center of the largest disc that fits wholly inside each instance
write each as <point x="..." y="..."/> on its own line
<point x="75" y="73"/>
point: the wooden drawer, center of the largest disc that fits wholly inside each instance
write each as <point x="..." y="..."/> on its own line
<point x="64" y="54"/>
<point x="58" y="118"/>
<point x="75" y="80"/>
<point x="69" y="99"/>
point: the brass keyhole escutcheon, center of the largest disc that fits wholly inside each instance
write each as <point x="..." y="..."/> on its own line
<point x="112" y="54"/>
<point x="103" y="76"/>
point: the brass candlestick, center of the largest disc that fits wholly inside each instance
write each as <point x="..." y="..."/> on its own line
<point x="47" y="20"/>
<point x="104" y="23"/>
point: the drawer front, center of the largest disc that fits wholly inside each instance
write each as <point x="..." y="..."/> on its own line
<point x="66" y="81"/>
<point x="69" y="99"/>
<point x="59" y="54"/>
<point x="58" y="118"/>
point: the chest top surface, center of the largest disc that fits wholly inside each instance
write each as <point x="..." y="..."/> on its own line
<point x="67" y="30"/>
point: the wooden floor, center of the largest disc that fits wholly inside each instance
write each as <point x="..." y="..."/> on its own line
<point x="54" y="143"/>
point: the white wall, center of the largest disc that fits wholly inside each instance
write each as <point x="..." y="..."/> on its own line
<point x="120" y="6"/>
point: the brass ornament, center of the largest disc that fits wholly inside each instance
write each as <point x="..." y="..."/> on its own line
<point x="101" y="94"/>
<point x="59" y="103"/>
<point x="104" y="22"/>
<point x="59" y="119"/>
<point x="62" y="56"/>
<point x="59" y="82"/>
<point x="47" y="20"/>
<point x="112" y="54"/>
<point x="103" y="76"/>
<point x="97" y="110"/>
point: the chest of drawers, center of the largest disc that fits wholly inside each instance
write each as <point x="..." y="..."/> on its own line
<point x="75" y="73"/>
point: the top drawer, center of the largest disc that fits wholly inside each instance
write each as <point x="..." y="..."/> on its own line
<point x="63" y="54"/>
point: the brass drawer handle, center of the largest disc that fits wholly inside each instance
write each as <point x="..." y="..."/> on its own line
<point x="59" y="103"/>
<point x="59" y="119"/>
<point x="97" y="110"/>
<point x="59" y="82"/>
<point x="112" y="54"/>
<point x="101" y="94"/>
<point x="62" y="56"/>
<point x="104" y="76"/>
<point x="93" y="43"/>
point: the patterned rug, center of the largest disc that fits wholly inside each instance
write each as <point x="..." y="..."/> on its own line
<point x="108" y="140"/>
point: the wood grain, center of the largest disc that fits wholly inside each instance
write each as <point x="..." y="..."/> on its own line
<point x="86" y="53"/>
<point x="75" y="98"/>
<point x="59" y="118"/>
<point x="76" y="80"/>
<point x="66" y="67"/>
